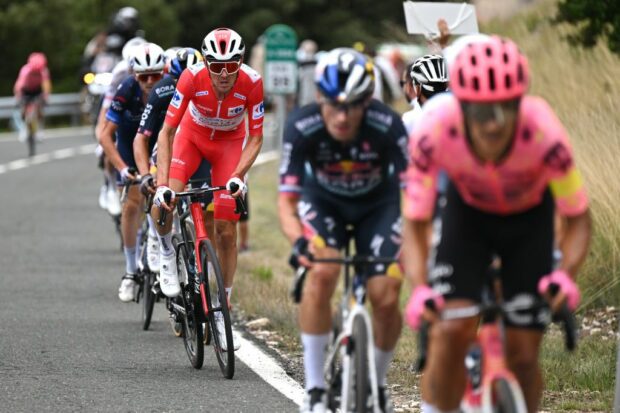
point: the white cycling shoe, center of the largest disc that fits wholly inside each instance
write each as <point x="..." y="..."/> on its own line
<point x="127" y="290"/>
<point x="114" y="201"/>
<point x="152" y="253"/>
<point x="168" y="276"/>
<point x="103" y="197"/>
<point x="315" y="401"/>
<point x="221" y="331"/>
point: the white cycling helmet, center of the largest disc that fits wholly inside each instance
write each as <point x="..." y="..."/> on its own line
<point x="148" y="58"/>
<point x="430" y="73"/>
<point x="223" y="44"/>
<point x="128" y="48"/>
<point x="171" y="53"/>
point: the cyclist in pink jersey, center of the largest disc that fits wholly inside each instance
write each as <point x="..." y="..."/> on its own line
<point x="209" y="109"/>
<point x="33" y="84"/>
<point x="508" y="159"/>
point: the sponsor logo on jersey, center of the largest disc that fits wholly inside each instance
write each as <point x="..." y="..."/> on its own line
<point x="177" y="99"/>
<point x="258" y="111"/>
<point x="195" y="68"/>
<point x="239" y="96"/>
<point x="202" y="93"/>
<point x="163" y="89"/>
<point x="252" y="74"/>
<point x="235" y="110"/>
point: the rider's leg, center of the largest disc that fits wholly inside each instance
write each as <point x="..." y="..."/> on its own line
<point x="522" y="349"/>
<point x="226" y="247"/>
<point x="129" y="227"/>
<point x="315" y="316"/>
<point x="383" y="293"/>
<point x="165" y="232"/>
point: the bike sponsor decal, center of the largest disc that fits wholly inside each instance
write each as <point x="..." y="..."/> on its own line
<point x="164" y="90"/>
<point x="235" y="110"/>
<point x="239" y="96"/>
<point x="258" y="111"/>
<point x="177" y="99"/>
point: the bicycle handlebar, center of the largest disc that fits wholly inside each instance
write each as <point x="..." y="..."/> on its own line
<point x="239" y="203"/>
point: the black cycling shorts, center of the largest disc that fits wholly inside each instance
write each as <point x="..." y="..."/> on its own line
<point x="466" y="240"/>
<point x="376" y="225"/>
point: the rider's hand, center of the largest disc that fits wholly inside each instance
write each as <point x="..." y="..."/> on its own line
<point x="416" y="307"/>
<point x="160" y="199"/>
<point x="147" y="185"/>
<point x="242" y="187"/>
<point x="300" y="256"/>
<point x="127" y="174"/>
<point x="568" y="290"/>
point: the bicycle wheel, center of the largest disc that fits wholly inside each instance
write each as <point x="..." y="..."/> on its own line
<point x="173" y="318"/>
<point x="192" y="327"/>
<point x="506" y="397"/>
<point x="217" y="304"/>
<point x="333" y="372"/>
<point x="148" y="298"/>
<point x="360" y="383"/>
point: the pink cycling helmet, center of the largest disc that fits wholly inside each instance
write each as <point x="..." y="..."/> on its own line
<point x="37" y="60"/>
<point x="489" y="71"/>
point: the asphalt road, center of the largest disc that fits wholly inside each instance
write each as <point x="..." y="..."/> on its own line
<point x="66" y="342"/>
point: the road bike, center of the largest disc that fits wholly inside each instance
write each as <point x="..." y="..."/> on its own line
<point x="203" y="298"/>
<point x="31" y="123"/>
<point x="350" y="371"/>
<point x="491" y="386"/>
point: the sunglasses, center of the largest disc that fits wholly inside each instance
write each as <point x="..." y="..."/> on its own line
<point x="217" y="68"/>
<point x="144" y="77"/>
<point x="486" y="112"/>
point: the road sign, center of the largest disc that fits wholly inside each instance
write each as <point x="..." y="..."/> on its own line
<point x="280" y="60"/>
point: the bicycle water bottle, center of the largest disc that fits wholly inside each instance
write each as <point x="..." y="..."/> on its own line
<point x="472" y="399"/>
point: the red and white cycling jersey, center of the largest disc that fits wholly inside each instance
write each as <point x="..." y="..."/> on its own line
<point x="194" y="105"/>
<point x="540" y="157"/>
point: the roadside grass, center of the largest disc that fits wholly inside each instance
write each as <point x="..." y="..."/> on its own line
<point x="584" y="89"/>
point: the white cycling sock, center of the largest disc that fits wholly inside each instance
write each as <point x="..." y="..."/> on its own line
<point x="165" y="244"/>
<point x="228" y="292"/>
<point x="429" y="408"/>
<point x="130" y="259"/>
<point x="152" y="232"/>
<point x="314" y="358"/>
<point x="382" y="363"/>
<point x="138" y="236"/>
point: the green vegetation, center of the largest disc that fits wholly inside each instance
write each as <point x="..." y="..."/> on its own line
<point x="594" y="19"/>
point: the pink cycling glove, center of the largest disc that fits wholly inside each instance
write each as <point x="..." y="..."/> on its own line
<point x="416" y="305"/>
<point x="566" y="284"/>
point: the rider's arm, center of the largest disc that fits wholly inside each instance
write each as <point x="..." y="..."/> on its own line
<point x="414" y="252"/>
<point x="255" y="126"/>
<point x="46" y="86"/>
<point x="289" y="219"/>
<point x="575" y="242"/>
<point x="141" y="153"/>
<point x="107" y="142"/>
<point x="164" y="153"/>
<point x="19" y="83"/>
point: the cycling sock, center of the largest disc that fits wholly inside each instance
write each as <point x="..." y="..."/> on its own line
<point x="152" y="232"/>
<point x="130" y="259"/>
<point x="429" y="408"/>
<point x="314" y="346"/>
<point x="165" y="244"/>
<point x="382" y="363"/>
<point x="138" y="237"/>
<point x="228" y="292"/>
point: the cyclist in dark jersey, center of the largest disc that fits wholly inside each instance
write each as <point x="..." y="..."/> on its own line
<point x="341" y="163"/>
<point x="143" y="145"/>
<point x="124" y="116"/>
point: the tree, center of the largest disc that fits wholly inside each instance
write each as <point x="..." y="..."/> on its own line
<point x="594" y="19"/>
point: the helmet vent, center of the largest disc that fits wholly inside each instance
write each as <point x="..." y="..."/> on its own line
<point x="473" y="60"/>
<point x="520" y="76"/>
<point x="491" y="79"/>
<point x="489" y="51"/>
<point x="461" y="78"/>
<point x="222" y="46"/>
<point x="213" y="46"/>
<point x="232" y="44"/>
<point x="476" y="83"/>
<point x="508" y="82"/>
<point x="505" y="57"/>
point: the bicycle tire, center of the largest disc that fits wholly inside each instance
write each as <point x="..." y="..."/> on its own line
<point x="192" y="327"/>
<point x="176" y="326"/>
<point x="361" y="390"/>
<point x="217" y="301"/>
<point x="148" y="299"/>
<point x="505" y="399"/>
<point x="333" y="374"/>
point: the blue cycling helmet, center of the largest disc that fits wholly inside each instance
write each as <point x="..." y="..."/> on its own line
<point x="344" y="76"/>
<point x="183" y="58"/>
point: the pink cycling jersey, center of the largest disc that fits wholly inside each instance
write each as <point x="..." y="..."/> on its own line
<point x="541" y="157"/>
<point x="30" y="79"/>
<point x="194" y="105"/>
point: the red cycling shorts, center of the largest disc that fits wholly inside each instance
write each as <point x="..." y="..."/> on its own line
<point x="188" y="150"/>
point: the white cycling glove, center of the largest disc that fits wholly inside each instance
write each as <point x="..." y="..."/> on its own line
<point x="159" y="195"/>
<point x="236" y="180"/>
<point x="126" y="175"/>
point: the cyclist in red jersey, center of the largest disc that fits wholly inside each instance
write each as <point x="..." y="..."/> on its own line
<point x="209" y="109"/>
<point x="510" y="166"/>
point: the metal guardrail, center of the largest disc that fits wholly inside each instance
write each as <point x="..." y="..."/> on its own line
<point x="58" y="104"/>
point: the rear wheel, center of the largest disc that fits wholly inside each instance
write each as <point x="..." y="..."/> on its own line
<point x="217" y="304"/>
<point x="507" y="398"/>
<point x="148" y="298"/>
<point x="190" y="322"/>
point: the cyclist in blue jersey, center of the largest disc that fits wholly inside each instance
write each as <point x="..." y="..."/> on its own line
<point x="124" y="117"/>
<point x="150" y="123"/>
<point x="341" y="163"/>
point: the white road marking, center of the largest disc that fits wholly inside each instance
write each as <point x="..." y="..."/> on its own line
<point x="269" y="370"/>
<point x="48" y="157"/>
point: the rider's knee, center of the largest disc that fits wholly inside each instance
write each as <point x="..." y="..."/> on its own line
<point x="225" y="232"/>
<point x="454" y="334"/>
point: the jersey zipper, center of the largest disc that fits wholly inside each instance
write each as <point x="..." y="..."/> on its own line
<point x="217" y="115"/>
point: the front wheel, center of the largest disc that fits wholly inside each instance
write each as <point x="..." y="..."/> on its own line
<point x="148" y="298"/>
<point x="359" y="376"/>
<point x="218" y="311"/>
<point x="505" y="397"/>
<point x="191" y="324"/>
